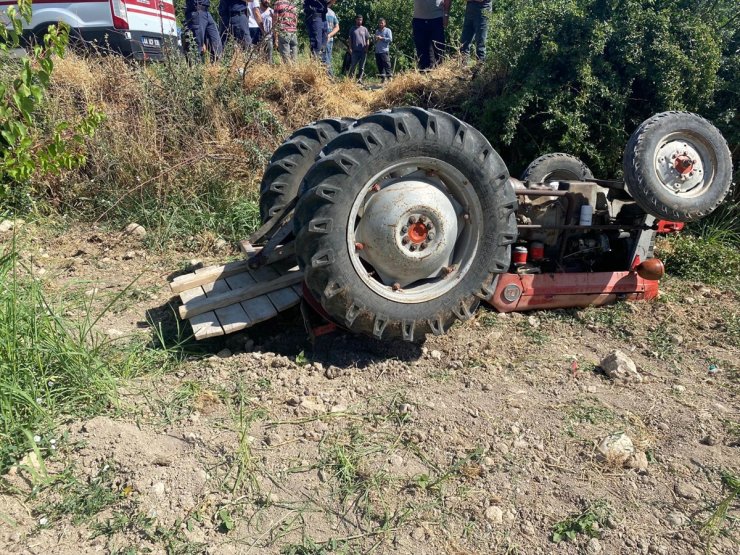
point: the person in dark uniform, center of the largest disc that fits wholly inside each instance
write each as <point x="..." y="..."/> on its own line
<point x="200" y="23"/>
<point x="235" y="18"/>
<point x="315" y="13"/>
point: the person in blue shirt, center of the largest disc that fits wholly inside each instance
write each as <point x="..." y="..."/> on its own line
<point x="332" y="28"/>
<point x="203" y="28"/>
<point x="475" y="24"/>
<point x="383" y="39"/>
<point x="235" y="18"/>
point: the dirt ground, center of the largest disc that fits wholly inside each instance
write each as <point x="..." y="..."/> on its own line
<point x="481" y="441"/>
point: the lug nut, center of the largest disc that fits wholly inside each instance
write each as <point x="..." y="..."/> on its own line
<point x="404" y="229"/>
<point x="431" y="235"/>
<point x="412" y="248"/>
<point x="429" y="225"/>
<point x="396" y="287"/>
<point x="423" y="246"/>
<point x="423" y="219"/>
<point x="412" y="220"/>
<point x="359" y="246"/>
<point x="405" y="241"/>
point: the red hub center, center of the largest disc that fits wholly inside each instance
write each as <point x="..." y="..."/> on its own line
<point x="683" y="164"/>
<point x="418" y="233"/>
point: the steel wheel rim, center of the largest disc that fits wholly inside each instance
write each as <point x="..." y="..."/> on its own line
<point x="684" y="164"/>
<point x="444" y="178"/>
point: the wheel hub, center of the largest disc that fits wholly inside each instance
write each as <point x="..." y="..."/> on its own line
<point x="679" y="167"/>
<point x="408" y="230"/>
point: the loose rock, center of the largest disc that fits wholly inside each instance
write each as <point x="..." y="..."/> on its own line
<point x="619" y="366"/>
<point x="135" y="229"/>
<point x="677" y="519"/>
<point x="616" y="448"/>
<point x="495" y="514"/>
<point x="687" y="491"/>
<point x="593" y="547"/>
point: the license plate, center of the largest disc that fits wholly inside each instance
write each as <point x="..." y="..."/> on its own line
<point x="149" y="41"/>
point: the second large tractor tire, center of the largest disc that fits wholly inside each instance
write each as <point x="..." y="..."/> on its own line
<point x="291" y="161"/>
<point x="404" y="224"/>
<point x="556" y="166"/>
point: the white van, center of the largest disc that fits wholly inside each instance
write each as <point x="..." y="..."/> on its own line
<point x="141" y="29"/>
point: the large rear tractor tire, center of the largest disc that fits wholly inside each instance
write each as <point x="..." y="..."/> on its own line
<point x="404" y="224"/>
<point x="556" y="167"/>
<point x="291" y="161"/>
<point x="677" y="166"/>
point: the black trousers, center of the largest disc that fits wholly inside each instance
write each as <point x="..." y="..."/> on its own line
<point x="429" y="39"/>
<point x="383" y="60"/>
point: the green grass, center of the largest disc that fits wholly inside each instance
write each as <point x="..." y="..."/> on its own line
<point x="588" y="522"/>
<point x="51" y="365"/>
<point x="721" y="521"/>
<point x="709" y="251"/>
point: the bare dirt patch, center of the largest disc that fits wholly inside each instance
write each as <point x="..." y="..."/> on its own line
<point x="482" y="441"/>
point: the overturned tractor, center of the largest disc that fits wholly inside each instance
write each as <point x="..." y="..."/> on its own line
<point x="398" y="224"/>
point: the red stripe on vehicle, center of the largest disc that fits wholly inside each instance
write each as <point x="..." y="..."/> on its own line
<point x="168" y="17"/>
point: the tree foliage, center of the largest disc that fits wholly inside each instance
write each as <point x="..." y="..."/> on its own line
<point x="26" y="148"/>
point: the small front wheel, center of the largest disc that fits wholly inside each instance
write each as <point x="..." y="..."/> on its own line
<point x="677" y="166"/>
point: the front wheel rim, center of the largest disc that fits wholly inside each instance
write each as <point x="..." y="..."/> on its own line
<point x="684" y="164"/>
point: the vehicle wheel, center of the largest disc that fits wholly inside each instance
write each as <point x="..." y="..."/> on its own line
<point x="556" y="166"/>
<point x="404" y="223"/>
<point x="291" y="161"/>
<point x="677" y="166"/>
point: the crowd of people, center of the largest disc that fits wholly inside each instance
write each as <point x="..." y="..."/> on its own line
<point x="260" y="24"/>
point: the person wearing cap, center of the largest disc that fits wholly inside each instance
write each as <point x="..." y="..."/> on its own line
<point x="475" y="26"/>
<point x="428" y="25"/>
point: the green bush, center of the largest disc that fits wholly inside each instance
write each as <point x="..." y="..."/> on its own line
<point x="702" y="259"/>
<point x="28" y="148"/>
<point x="580" y="75"/>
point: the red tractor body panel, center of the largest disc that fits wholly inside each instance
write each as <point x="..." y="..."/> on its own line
<point x="517" y="293"/>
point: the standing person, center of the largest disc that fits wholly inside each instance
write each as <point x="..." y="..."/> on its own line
<point x="315" y="14"/>
<point x="429" y="23"/>
<point x="285" y="29"/>
<point x="266" y="13"/>
<point x="200" y="23"/>
<point x="332" y="28"/>
<point x="255" y="22"/>
<point x="477" y="13"/>
<point x="235" y="21"/>
<point x="383" y="39"/>
<point x="359" y="42"/>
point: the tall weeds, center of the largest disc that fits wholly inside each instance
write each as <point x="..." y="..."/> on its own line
<point x="51" y="365"/>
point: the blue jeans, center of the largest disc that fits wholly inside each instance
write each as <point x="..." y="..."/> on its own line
<point x="316" y="27"/>
<point x="429" y="39"/>
<point x="475" y="25"/>
<point x="328" y="50"/>
<point x="201" y="24"/>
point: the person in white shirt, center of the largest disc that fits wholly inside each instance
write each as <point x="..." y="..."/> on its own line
<point x="266" y="13"/>
<point x="255" y="22"/>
